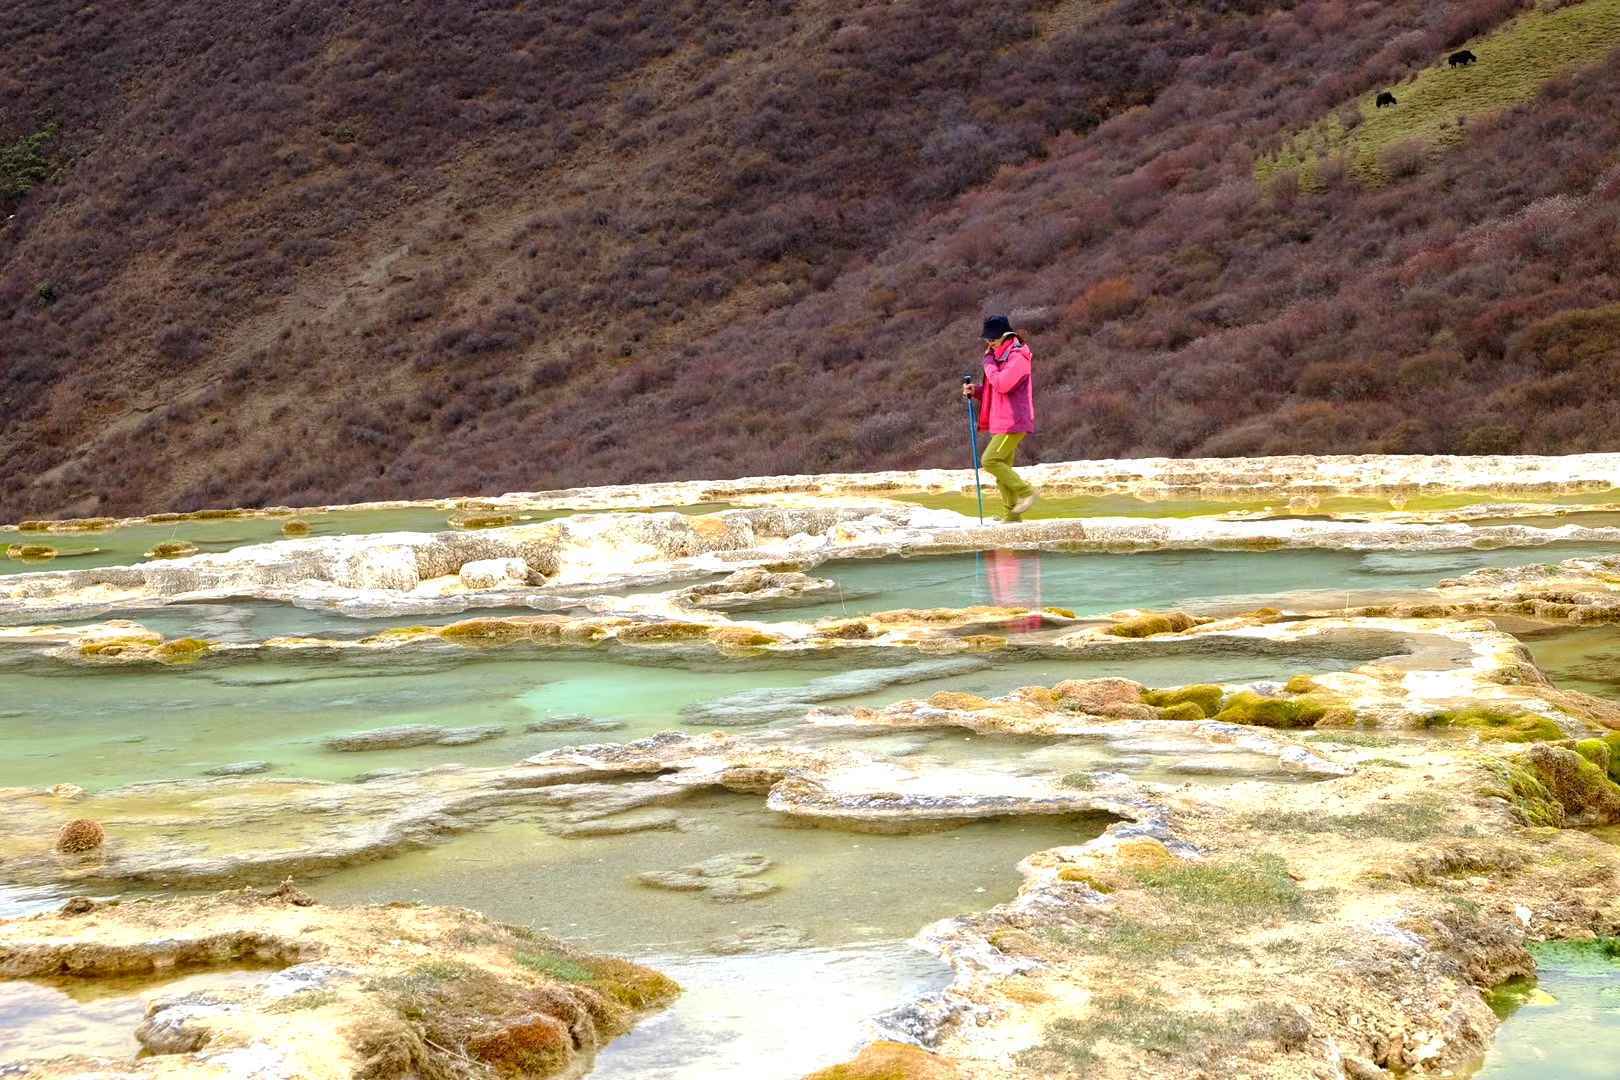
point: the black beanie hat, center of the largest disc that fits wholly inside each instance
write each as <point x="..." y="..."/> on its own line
<point x="996" y="327"/>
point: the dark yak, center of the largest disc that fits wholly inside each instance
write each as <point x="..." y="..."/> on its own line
<point x="1385" y="98"/>
<point x="1461" y="58"/>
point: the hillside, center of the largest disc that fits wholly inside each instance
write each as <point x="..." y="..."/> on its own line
<point x="357" y="249"/>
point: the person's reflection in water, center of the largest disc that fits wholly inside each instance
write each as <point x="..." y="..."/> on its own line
<point x="1014" y="580"/>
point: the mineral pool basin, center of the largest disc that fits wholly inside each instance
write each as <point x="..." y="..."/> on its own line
<point x="45" y="1018"/>
<point x="106" y="727"/>
<point x="844" y="905"/>
<point x="130" y="543"/>
<point x="834" y="887"/>
<point x="1084" y="506"/>
<point x="1582" y="658"/>
<point x="1092" y="584"/>
<point x="1564" y="1024"/>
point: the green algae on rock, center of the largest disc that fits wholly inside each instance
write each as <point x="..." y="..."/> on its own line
<point x="1498" y="724"/>
<point x="1551" y="785"/>
<point x="1205" y="697"/>
<point x="1153" y="623"/>
<point x="172" y="549"/>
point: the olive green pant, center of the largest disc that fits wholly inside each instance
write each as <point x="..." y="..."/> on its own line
<point x="997" y="460"/>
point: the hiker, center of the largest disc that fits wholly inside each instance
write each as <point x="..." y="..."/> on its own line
<point x="1006" y="410"/>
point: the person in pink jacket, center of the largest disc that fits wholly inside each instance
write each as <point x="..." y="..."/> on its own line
<point x="1006" y="400"/>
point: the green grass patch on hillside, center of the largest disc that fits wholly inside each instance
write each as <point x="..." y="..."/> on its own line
<point x="1515" y="61"/>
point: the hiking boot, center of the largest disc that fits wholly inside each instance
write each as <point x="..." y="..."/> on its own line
<point x="1022" y="505"/>
<point x="1008" y="518"/>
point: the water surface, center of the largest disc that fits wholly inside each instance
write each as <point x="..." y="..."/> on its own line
<point x="1568" y="1031"/>
<point x="1579" y="658"/>
<point x="1097" y="583"/>
<point x="106" y="727"/>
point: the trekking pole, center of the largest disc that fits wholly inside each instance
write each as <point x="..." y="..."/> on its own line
<point x="973" y="441"/>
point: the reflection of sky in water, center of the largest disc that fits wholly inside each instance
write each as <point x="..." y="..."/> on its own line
<point x="777" y="1015"/>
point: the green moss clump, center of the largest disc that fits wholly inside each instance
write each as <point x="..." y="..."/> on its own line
<point x="1532" y="803"/>
<point x="664" y="631"/>
<point x="172" y="549"/>
<point x="1552" y="785"/>
<point x="1594" y="750"/>
<point x="1185" y="710"/>
<point x="482" y="521"/>
<point x="1584" y="791"/>
<point x="117" y="646"/>
<point x="215" y="515"/>
<point x="296" y="527"/>
<point x="630" y="985"/>
<point x="485" y="632"/>
<point x="1080" y="876"/>
<point x="1168" y="622"/>
<point x="1205" y="696"/>
<point x="1612" y="741"/>
<point x="31" y="552"/>
<point x="1498" y="724"/>
<point x="1248" y="707"/>
<point x="182" y="650"/>
<point x="1302" y="684"/>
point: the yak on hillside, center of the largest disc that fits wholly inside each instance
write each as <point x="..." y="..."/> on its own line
<point x="1461" y="58"/>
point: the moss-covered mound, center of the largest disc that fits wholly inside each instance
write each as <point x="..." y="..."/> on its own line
<point x="31" y="552"/>
<point x="1205" y="697"/>
<point x="1152" y="623"/>
<point x="1497" y="724"/>
<point x="172" y="549"/>
<point x="1554" y="785"/>
<point x="482" y="520"/>
<point x="1305" y="705"/>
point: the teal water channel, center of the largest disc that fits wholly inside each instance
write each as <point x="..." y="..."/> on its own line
<point x="1094" y="584"/>
<point x="1565" y="1023"/>
<point x="106" y="727"/>
<point x="129" y="544"/>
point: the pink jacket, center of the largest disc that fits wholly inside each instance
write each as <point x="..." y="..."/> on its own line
<point x="1007" y="396"/>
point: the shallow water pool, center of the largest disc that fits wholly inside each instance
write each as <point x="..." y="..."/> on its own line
<point x="102" y="728"/>
<point x="1581" y="658"/>
<point x="834" y="888"/>
<point x="1095" y="584"/>
<point x="1565" y="1024"/>
<point x="44" y="1018"/>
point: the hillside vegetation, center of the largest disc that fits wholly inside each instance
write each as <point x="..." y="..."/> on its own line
<point x="368" y="250"/>
<point x="1435" y="105"/>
